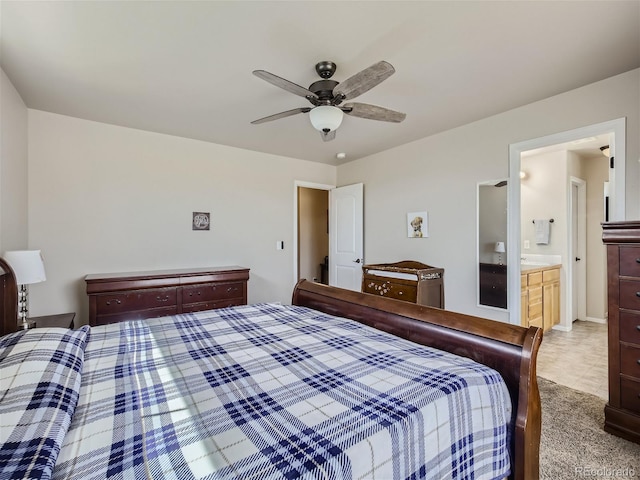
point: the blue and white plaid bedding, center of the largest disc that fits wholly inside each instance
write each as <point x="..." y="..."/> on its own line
<point x="39" y="385"/>
<point x="273" y="391"/>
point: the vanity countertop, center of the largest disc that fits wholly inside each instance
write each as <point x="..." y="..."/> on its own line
<point x="533" y="268"/>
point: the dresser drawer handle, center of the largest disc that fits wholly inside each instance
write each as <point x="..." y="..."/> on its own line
<point x="197" y="293"/>
<point x="638" y="294"/>
<point x="118" y="302"/>
<point x="637" y="260"/>
<point x="160" y="299"/>
<point x="231" y="289"/>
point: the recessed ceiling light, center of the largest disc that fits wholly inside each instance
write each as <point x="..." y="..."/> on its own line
<point x="341" y="156"/>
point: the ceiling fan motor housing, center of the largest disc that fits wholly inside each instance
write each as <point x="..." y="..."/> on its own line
<point x="325" y="69"/>
<point x="324" y="90"/>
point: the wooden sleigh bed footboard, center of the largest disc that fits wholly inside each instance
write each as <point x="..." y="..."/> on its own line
<point x="509" y="349"/>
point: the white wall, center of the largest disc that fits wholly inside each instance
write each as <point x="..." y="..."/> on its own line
<point x="104" y="198"/>
<point x="596" y="172"/>
<point x="13" y="168"/>
<point x="543" y="195"/>
<point x="439" y="174"/>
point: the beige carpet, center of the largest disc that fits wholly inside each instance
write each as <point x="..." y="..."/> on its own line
<point x="574" y="444"/>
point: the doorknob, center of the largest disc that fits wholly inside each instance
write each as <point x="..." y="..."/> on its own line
<point x="577" y="259"/>
<point x="357" y="260"/>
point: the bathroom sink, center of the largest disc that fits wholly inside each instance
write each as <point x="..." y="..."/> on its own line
<point x="533" y="264"/>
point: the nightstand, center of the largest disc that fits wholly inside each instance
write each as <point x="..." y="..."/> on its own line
<point x="62" y="320"/>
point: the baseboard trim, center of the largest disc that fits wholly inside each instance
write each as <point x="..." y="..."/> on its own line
<point x="562" y="328"/>
<point x="595" y="320"/>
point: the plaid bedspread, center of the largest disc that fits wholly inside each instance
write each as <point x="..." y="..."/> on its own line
<point x="273" y="391"/>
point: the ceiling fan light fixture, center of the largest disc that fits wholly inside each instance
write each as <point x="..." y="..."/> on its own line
<point x="326" y="118"/>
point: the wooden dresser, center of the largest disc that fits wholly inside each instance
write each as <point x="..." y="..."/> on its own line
<point x="622" y="413"/>
<point x="540" y="296"/>
<point x="409" y="281"/>
<point x="493" y="285"/>
<point x="115" y="297"/>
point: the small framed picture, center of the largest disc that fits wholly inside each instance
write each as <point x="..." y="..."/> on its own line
<point x="417" y="224"/>
<point x="201" y="221"/>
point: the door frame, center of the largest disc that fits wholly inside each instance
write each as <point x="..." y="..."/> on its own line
<point x="617" y="175"/>
<point x="581" y="294"/>
<point x="296" y="184"/>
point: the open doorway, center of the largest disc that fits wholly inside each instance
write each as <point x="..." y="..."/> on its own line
<point x="313" y="234"/>
<point x="565" y="183"/>
<point x="589" y="190"/>
<point x="345" y="235"/>
<point x="614" y="131"/>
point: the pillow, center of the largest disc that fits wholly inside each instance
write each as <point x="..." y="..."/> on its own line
<point x="40" y="374"/>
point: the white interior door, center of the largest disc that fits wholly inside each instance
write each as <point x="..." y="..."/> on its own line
<point x="346" y="236"/>
<point x="578" y="257"/>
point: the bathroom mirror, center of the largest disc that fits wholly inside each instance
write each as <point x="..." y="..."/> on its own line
<point x="492" y="243"/>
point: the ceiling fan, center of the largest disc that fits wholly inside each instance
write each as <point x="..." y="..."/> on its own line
<point x="327" y="96"/>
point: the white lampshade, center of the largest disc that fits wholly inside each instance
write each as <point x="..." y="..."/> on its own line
<point x="325" y="118"/>
<point x="499" y="248"/>
<point x="27" y="265"/>
<point x="605" y="150"/>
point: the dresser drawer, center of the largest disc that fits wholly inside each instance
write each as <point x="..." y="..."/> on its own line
<point x="535" y="295"/>
<point x="534" y="278"/>
<point x="630" y="327"/>
<point x="134" y="315"/>
<point x="551" y="275"/>
<point x="630" y="294"/>
<point x="199" y="307"/>
<point x="630" y="261"/>
<point x="387" y="288"/>
<point x="630" y="360"/>
<point x="630" y="394"/>
<point x="135" y="300"/>
<point x="208" y="292"/>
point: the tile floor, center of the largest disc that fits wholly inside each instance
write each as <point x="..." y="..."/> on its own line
<point x="576" y="359"/>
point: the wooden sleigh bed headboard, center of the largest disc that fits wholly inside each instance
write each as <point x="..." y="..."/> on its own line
<point x="8" y="299"/>
<point x="510" y="349"/>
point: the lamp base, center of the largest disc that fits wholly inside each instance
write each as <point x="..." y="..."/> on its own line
<point x="28" y="324"/>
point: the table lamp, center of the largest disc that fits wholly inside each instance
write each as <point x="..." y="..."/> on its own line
<point x="28" y="267"/>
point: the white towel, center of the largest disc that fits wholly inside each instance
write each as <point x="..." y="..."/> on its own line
<point x="542" y="232"/>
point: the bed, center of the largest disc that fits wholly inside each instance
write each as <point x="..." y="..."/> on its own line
<point x="338" y="384"/>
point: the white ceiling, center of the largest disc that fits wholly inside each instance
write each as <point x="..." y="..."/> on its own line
<point x="184" y="67"/>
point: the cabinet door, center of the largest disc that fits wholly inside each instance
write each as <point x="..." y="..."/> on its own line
<point x="547" y="306"/>
<point x="555" y="310"/>
<point x="551" y="304"/>
<point x="524" y="307"/>
<point x="535" y="306"/>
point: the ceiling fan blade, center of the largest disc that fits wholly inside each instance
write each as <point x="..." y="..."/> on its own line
<point x="276" y="116"/>
<point x="373" y="112"/>
<point x="327" y="137"/>
<point x="364" y="81"/>
<point x="284" y="84"/>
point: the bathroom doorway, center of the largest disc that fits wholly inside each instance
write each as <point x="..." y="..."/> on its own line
<point x="576" y="143"/>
